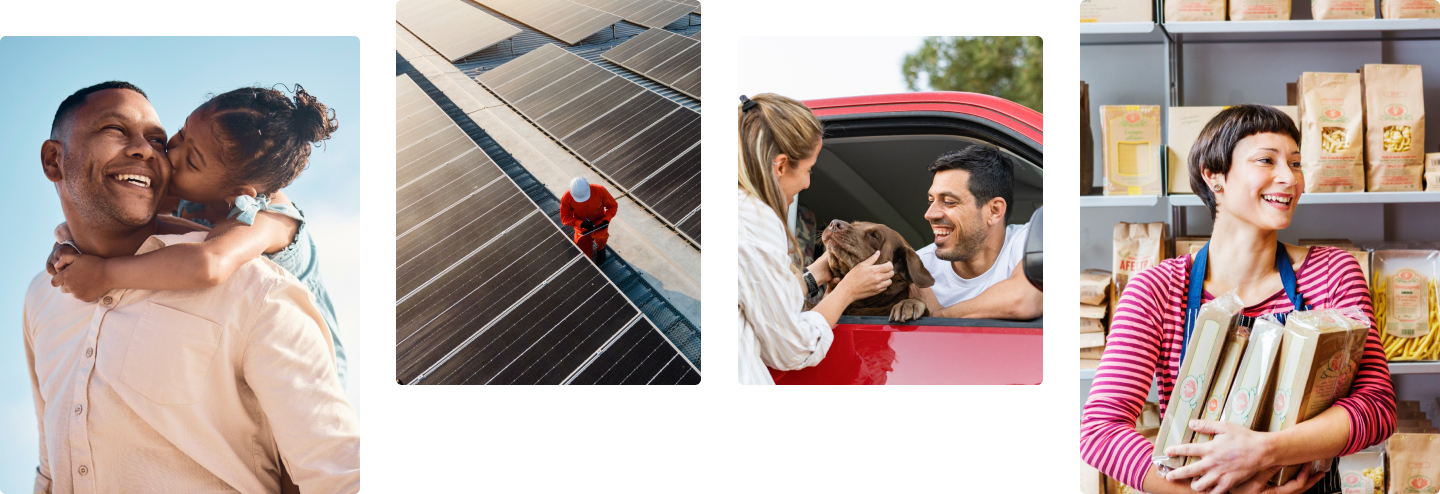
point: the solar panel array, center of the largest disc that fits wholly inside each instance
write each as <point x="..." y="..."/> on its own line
<point x="662" y="56"/>
<point x="563" y="19"/>
<point x="649" y="13"/>
<point x="455" y="28"/>
<point x="643" y="142"/>
<point x="696" y="36"/>
<point x="694" y="4"/>
<point x="488" y="290"/>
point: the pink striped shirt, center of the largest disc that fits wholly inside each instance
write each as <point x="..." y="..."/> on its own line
<point x="1147" y="329"/>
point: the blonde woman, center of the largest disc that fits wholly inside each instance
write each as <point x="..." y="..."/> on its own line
<point x="779" y="143"/>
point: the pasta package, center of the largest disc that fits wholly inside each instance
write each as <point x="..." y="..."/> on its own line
<point x="1094" y="286"/>
<point x="1319" y="357"/>
<point x="1194" y="10"/>
<point x="1342" y="9"/>
<point x="1404" y="296"/>
<point x="1394" y="127"/>
<point x="1413" y="462"/>
<point x="1331" y="128"/>
<point x="1363" y="472"/>
<point x="1116" y="11"/>
<point x="1224" y="376"/>
<point x="1131" y="135"/>
<point x="1432" y="172"/>
<point x="1138" y="246"/>
<point x="1410" y="9"/>
<point x="1213" y="325"/>
<point x="1259" y="10"/>
<point x="1255" y="374"/>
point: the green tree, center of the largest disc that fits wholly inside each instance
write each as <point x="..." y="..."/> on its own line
<point x="1004" y="66"/>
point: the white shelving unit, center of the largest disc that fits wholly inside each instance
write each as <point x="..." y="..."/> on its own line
<point x="1118" y="201"/>
<point x="1117" y="28"/>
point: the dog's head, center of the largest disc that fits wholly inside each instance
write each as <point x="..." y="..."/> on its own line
<point x="852" y="243"/>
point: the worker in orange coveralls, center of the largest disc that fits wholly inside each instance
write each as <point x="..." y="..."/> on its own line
<point x="588" y="209"/>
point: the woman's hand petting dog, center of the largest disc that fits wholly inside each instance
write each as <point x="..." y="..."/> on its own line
<point x="866" y="279"/>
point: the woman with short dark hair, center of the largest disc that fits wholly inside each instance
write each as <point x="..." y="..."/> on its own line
<point x="1245" y="167"/>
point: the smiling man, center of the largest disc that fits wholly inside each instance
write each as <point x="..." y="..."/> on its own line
<point x="189" y="391"/>
<point x="976" y="259"/>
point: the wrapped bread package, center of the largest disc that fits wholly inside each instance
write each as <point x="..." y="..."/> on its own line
<point x="1404" y="296"/>
<point x="1413" y="463"/>
<point x="1410" y="9"/>
<point x="1342" y="9"/>
<point x="1255" y="374"/>
<point x="1116" y="11"/>
<point x="1213" y="325"/>
<point x="1260" y="10"/>
<point x="1194" y="10"/>
<point x="1332" y="132"/>
<point x="1131" y="136"/>
<point x="1363" y="472"/>
<point x="1224" y="377"/>
<point x="1394" y="128"/>
<point x="1319" y="356"/>
<point x="1094" y="286"/>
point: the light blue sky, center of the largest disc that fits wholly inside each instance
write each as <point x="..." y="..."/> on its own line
<point x="177" y="73"/>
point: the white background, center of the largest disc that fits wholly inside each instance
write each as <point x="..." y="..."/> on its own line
<point x="718" y="436"/>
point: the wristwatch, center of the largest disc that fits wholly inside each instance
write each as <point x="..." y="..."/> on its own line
<point x="811" y="287"/>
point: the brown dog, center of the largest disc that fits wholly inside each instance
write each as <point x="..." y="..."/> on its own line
<point x="852" y="243"/>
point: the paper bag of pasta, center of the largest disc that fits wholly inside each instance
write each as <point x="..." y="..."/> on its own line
<point x="1413" y="462"/>
<point x="1342" y="9"/>
<point x="1319" y="356"/>
<point x="1131" y="135"/>
<point x="1404" y="297"/>
<point x="1432" y="172"/>
<point x="1332" y="124"/>
<point x="1194" y="10"/>
<point x="1260" y="10"/>
<point x="1213" y="325"/>
<point x="1394" y="127"/>
<point x="1363" y="472"/>
<point x="1138" y="246"/>
<point x="1410" y="9"/>
<point x="1116" y="11"/>
<point x="1254" y="376"/>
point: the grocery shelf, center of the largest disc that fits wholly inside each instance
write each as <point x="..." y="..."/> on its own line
<point x="1099" y="33"/>
<point x="1304" y="26"/>
<point x="1116" y="27"/>
<point x="1119" y="201"/>
<point x="1333" y="198"/>
<point x="1426" y="367"/>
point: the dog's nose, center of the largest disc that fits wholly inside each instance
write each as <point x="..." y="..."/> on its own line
<point x="838" y="225"/>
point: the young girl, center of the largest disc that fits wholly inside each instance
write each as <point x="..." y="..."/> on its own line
<point x="229" y="162"/>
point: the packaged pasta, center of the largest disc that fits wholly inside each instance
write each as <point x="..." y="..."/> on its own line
<point x="1255" y="374"/>
<point x="1259" y="10"/>
<point x="1094" y="286"/>
<point x="1131" y="135"/>
<point x="1432" y="172"/>
<point x="1410" y="9"/>
<point x="1342" y="9"/>
<point x="1116" y="11"/>
<point x="1394" y="127"/>
<point x="1404" y="297"/>
<point x="1224" y="376"/>
<point x="1319" y="357"/>
<point x="1213" y="325"/>
<point x="1363" y="472"/>
<point x="1413" y="462"/>
<point x="1194" y="10"/>
<point x="1332" y="128"/>
<point x="1138" y="246"/>
<point x="1189" y="245"/>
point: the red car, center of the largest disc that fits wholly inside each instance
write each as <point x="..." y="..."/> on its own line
<point x="873" y="167"/>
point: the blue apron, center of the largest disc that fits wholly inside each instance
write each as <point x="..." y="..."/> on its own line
<point x="1331" y="482"/>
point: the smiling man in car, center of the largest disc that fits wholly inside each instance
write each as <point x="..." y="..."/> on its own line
<point x="976" y="258"/>
<point x="183" y="391"/>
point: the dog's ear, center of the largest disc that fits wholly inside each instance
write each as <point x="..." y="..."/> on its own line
<point x="908" y="262"/>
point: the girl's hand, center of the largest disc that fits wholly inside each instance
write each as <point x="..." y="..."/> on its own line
<point x="867" y="278"/>
<point x="62" y="233"/>
<point x="83" y="277"/>
<point x="58" y="259"/>
<point x="1234" y="455"/>
<point x="1260" y="483"/>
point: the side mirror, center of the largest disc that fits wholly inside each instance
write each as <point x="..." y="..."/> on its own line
<point x="1035" y="249"/>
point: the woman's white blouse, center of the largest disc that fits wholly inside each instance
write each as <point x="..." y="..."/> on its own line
<point x="774" y="331"/>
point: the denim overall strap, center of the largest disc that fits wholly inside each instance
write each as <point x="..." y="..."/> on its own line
<point x="1197" y="290"/>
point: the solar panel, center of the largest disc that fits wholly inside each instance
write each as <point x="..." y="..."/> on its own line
<point x="696" y="36"/>
<point x="643" y="142"/>
<point x="455" y="28"/>
<point x="695" y="4"/>
<point x="568" y="21"/>
<point x="649" y="13"/>
<point x="663" y="56"/>
<point x="488" y="290"/>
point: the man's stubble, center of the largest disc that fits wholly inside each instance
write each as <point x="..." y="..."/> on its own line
<point x="970" y="237"/>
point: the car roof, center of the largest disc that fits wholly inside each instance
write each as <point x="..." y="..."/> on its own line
<point x="1011" y="115"/>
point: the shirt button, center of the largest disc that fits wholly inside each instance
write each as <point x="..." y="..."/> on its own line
<point x="84" y="470"/>
<point x="79" y="408"/>
<point x="107" y="300"/>
<point x="89" y="352"/>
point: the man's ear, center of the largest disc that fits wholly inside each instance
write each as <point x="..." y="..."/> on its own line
<point x="995" y="210"/>
<point x="50" y="157"/>
<point x="908" y="262"/>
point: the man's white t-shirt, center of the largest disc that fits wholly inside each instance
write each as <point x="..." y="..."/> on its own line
<point x="951" y="289"/>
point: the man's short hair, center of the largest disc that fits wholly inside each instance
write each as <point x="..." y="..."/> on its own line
<point x="991" y="173"/>
<point x="68" y="107"/>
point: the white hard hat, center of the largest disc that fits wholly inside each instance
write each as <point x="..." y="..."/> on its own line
<point x="580" y="189"/>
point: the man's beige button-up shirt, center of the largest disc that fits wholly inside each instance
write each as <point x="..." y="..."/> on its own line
<point x="188" y="391"/>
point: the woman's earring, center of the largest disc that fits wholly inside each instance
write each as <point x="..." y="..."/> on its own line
<point x="1217" y="187"/>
